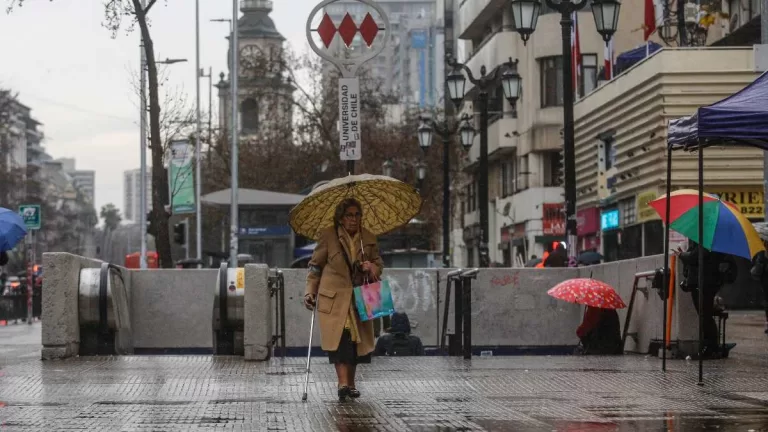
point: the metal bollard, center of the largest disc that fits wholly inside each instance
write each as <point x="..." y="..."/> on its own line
<point x="450" y="277"/>
<point x="466" y="297"/>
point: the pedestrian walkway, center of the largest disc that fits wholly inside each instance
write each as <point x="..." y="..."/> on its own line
<point x="186" y="393"/>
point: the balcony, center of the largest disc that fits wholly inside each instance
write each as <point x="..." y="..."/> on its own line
<point x="492" y="52"/>
<point x="502" y="135"/>
<point x="474" y="16"/>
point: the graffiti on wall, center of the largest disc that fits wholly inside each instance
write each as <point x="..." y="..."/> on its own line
<point x="413" y="293"/>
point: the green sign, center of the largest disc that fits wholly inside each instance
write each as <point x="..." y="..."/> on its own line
<point x="181" y="178"/>
<point x="32" y="216"/>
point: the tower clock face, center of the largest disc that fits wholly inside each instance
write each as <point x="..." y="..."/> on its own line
<point x="250" y="57"/>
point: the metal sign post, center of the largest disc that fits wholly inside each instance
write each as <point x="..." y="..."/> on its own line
<point x="350" y="145"/>
<point x="32" y="216"/>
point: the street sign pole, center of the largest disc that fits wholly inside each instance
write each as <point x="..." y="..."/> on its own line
<point x="32" y="216"/>
<point x="30" y="273"/>
<point x="350" y="145"/>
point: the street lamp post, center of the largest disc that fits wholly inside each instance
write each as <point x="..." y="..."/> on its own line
<point x="511" y="85"/>
<point x="198" y="174"/>
<point x="143" y="152"/>
<point x="606" y="14"/>
<point x="446" y="131"/>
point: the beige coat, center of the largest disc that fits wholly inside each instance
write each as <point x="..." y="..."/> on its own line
<point x="329" y="280"/>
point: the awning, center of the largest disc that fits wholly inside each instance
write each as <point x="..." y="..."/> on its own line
<point x="739" y="119"/>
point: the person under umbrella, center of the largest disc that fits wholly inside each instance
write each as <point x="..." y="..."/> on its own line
<point x="12" y="229"/>
<point x="600" y="330"/>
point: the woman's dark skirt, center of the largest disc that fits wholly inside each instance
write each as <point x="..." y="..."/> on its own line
<point x="347" y="352"/>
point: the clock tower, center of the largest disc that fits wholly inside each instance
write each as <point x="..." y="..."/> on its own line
<point x="264" y="92"/>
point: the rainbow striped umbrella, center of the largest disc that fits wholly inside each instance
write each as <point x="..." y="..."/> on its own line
<point x="726" y="230"/>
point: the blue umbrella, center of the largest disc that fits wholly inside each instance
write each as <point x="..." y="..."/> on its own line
<point x="12" y="229"/>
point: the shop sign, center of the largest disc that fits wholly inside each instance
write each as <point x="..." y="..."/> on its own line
<point x="749" y="200"/>
<point x="643" y="205"/>
<point x="609" y="220"/>
<point x="553" y="219"/>
<point x="587" y="221"/>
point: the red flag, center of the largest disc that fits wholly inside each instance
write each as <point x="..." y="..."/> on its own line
<point x="608" y="60"/>
<point x="650" y="19"/>
<point x="575" y="53"/>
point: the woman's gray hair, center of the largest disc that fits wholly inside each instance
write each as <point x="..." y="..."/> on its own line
<point x="343" y="207"/>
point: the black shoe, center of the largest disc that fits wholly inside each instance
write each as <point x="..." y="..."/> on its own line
<point x="354" y="393"/>
<point x="343" y="393"/>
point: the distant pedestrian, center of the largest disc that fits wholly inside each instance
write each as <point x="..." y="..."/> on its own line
<point x="398" y="341"/>
<point x="558" y="258"/>
<point x="759" y="273"/>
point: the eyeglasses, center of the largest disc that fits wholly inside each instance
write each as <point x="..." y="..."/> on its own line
<point x="357" y="215"/>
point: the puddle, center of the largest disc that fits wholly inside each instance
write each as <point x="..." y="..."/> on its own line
<point x="154" y="402"/>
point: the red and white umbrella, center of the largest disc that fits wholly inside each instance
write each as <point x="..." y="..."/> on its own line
<point x="589" y="292"/>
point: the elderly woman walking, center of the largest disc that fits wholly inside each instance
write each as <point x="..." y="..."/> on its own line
<point x="345" y="256"/>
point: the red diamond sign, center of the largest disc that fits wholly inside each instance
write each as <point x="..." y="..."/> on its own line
<point x="327" y="30"/>
<point x="369" y="29"/>
<point x="347" y="30"/>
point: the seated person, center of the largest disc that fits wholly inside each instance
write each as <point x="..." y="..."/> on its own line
<point x="398" y="340"/>
<point x="600" y="332"/>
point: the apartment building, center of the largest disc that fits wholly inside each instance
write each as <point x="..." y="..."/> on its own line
<point x="621" y="136"/>
<point x="524" y="144"/>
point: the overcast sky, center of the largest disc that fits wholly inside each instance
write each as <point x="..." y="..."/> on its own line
<point x="79" y="81"/>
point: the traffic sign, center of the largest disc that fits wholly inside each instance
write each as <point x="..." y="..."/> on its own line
<point x="32" y="216"/>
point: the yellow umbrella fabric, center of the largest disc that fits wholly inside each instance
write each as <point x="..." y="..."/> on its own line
<point x="387" y="204"/>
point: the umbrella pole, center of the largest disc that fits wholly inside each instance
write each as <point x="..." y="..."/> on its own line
<point x="351" y="167"/>
<point x="701" y="265"/>
<point x="666" y="259"/>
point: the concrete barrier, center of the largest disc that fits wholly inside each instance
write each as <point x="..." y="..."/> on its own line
<point x="171" y="310"/>
<point x="61" y="329"/>
<point x="511" y="311"/>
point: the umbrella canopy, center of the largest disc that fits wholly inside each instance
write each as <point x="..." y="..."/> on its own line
<point x="12" y="229"/>
<point x="762" y="230"/>
<point x="590" y="258"/>
<point x="739" y="118"/>
<point x="726" y="230"/>
<point x="588" y="292"/>
<point x="387" y="204"/>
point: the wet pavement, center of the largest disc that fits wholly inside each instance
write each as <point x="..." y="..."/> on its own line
<point x="185" y="393"/>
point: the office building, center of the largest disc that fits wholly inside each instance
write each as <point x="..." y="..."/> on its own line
<point x="131" y="194"/>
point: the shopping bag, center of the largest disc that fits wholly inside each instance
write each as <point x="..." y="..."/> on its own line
<point x="374" y="300"/>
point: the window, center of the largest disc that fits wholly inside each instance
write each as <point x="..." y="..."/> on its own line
<point x="551" y="81"/>
<point x="508" y="178"/>
<point x="554" y="170"/>
<point x="610" y="153"/>
<point x="628" y="211"/>
<point x="522" y="174"/>
<point x="250" y="115"/>
<point x="588" y="73"/>
<point x="472" y="197"/>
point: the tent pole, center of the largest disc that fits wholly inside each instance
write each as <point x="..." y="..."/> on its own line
<point x="701" y="265"/>
<point x="666" y="259"/>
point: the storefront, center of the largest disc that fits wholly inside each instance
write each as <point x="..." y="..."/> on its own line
<point x="750" y="200"/>
<point x="588" y="227"/>
<point x="505" y="246"/>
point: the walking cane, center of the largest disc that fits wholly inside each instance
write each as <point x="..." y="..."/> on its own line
<point x="309" y="353"/>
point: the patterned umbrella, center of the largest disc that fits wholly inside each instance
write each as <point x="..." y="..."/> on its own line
<point x="387" y="204"/>
<point x="726" y="230"/>
<point x="588" y="292"/>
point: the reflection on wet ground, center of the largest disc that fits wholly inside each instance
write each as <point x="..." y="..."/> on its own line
<point x="186" y="393"/>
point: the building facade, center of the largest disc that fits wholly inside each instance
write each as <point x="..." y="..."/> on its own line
<point x="132" y="194"/>
<point x="525" y="143"/>
<point x="621" y="136"/>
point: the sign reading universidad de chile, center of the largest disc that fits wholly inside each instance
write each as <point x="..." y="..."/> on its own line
<point x="349" y="119"/>
<point x="181" y="178"/>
